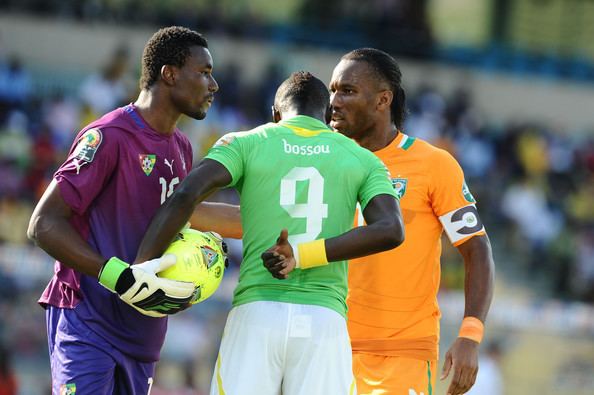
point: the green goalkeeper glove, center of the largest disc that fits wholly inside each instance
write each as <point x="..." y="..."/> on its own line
<point x="139" y="286"/>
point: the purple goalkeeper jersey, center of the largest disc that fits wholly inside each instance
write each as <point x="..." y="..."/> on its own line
<point x="118" y="172"/>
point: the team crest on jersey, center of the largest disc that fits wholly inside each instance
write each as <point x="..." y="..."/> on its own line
<point x="209" y="255"/>
<point x="399" y="185"/>
<point x="467" y="195"/>
<point x="147" y="162"/>
<point x="68" y="389"/>
<point x="88" y="145"/>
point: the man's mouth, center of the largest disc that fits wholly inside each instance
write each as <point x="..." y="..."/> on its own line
<point x="337" y="117"/>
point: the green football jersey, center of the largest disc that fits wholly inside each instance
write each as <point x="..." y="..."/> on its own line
<point x="300" y="175"/>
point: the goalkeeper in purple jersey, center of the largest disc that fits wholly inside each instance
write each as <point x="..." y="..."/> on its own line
<point x="105" y="318"/>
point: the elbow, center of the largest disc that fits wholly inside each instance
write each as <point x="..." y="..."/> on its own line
<point x="397" y="234"/>
<point x="394" y="235"/>
<point x="33" y="229"/>
<point x="183" y="198"/>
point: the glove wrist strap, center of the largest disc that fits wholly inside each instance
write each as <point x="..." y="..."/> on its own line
<point x="111" y="272"/>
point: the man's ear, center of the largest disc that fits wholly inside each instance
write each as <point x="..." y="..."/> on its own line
<point x="385" y="98"/>
<point x="276" y="115"/>
<point x="168" y="74"/>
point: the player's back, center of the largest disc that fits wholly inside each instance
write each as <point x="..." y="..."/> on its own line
<point x="302" y="176"/>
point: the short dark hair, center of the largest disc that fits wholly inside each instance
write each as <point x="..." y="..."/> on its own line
<point x="168" y="46"/>
<point x="303" y="91"/>
<point x="386" y="69"/>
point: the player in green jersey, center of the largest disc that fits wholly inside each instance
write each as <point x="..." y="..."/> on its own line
<point x="289" y="335"/>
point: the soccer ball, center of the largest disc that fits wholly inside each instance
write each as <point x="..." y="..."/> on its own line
<point x="201" y="259"/>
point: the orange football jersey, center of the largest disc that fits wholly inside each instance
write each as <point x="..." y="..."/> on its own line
<point x="392" y="298"/>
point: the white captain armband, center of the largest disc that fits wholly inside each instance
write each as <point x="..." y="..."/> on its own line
<point x="461" y="223"/>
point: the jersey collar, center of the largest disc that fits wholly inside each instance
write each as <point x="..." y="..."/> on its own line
<point x="401" y="142"/>
<point x="305" y="126"/>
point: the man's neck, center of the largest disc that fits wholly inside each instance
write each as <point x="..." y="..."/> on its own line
<point x="156" y="112"/>
<point x="293" y="113"/>
<point x="377" y="139"/>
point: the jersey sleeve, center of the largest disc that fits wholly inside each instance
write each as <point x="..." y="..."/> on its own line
<point x="228" y="151"/>
<point x="88" y="168"/>
<point x="451" y="199"/>
<point x="378" y="181"/>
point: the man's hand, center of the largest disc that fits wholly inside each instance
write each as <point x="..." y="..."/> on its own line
<point x="279" y="259"/>
<point x="139" y="286"/>
<point x="463" y="357"/>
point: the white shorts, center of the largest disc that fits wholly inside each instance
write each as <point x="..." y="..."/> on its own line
<point x="274" y="348"/>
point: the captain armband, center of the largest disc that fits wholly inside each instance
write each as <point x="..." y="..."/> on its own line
<point x="461" y="223"/>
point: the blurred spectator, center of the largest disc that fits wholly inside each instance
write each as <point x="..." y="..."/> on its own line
<point x="427" y="116"/>
<point x="525" y="204"/>
<point x="583" y="278"/>
<point x="15" y="86"/>
<point x="14" y="137"/>
<point x="106" y="90"/>
<point x="8" y="381"/>
<point x="14" y="219"/>
<point x="489" y="380"/>
<point x="61" y="115"/>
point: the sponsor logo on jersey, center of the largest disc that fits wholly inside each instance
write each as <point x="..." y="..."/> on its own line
<point x="466" y="192"/>
<point x="170" y="164"/>
<point x="413" y="392"/>
<point x="88" y="145"/>
<point x="399" y="185"/>
<point x="306" y="150"/>
<point x="147" y="162"/>
<point x="68" y="389"/>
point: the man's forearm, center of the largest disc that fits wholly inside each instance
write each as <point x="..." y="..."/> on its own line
<point x="58" y="238"/>
<point x="169" y="220"/>
<point x="362" y="241"/>
<point x="223" y="218"/>
<point x="173" y="215"/>
<point x="479" y="276"/>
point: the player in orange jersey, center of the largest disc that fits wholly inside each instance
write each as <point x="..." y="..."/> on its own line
<point x="393" y="312"/>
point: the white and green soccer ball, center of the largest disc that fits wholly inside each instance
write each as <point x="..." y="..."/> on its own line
<point x="201" y="259"/>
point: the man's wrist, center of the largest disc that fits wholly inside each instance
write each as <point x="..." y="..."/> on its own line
<point x="111" y="273"/>
<point x="311" y="254"/>
<point x="472" y="328"/>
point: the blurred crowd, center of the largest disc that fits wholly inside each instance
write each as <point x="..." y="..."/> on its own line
<point x="534" y="183"/>
<point x="305" y="21"/>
